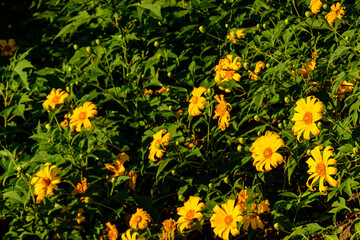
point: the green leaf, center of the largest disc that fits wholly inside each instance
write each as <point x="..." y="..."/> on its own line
<point x="19" y="69"/>
<point x="155" y="8"/>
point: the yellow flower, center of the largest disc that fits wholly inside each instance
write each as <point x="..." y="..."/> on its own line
<point x="8" y="47"/>
<point x="345" y="87"/>
<point x="239" y="34"/>
<point x="169" y="227"/>
<point x="188" y="212"/>
<point x="119" y="168"/>
<point x="81" y="187"/>
<point x="320" y="170"/>
<point x="254" y="75"/>
<point x="252" y="218"/>
<point x="65" y="123"/>
<point x="132" y="181"/>
<point x="306" y="70"/>
<point x="112" y="231"/>
<point x="336" y="12"/>
<point x="197" y="101"/>
<point x="264" y="151"/>
<point x="139" y="219"/>
<point x="157" y="147"/>
<point x="55" y="97"/>
<point x="224" y="220"/>
<point x="226" y="68"/>
<point x="315" y="6"/>
<point x="307" y="113"/>
<point x="81" y="116"/>
<point x="222" y="111"/>
<point x="243" y="196"/>
<point x="45" y="181"/>
<point x="128" y="236"/>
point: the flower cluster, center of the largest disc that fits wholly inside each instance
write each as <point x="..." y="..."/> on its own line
<point x="234" y="37"/>
<point x="227" y="69"/>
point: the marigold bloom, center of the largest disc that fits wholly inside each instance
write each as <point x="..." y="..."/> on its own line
<point x="345" y="87"/>
<point x="320" y="170"/>
<point x="222" y="111"/>
<point x="254" y="75"/>
<point x="112" y="231"/>
<point x="157" y="147"/>
<point x="118" y="169"/>
<point x="8" y="47"/>
<point x="306" y="70"/>
<point x="307" y="113"/>
<point x="188" y="212"/>
<point x="336" y="12"/>
<point x="55" y="97"/>
<point x="264" y="151"/>
<point x="139" y="219"/>
<point x="252" y="218"/>
<point x="45" y="181"/>
<point x="197" y="101"/>
<point x="224" y="220"/>
<point x="315" y="6"/>
<point x="81" y="116"/>
<point x="169" y="227"/>
<point x="132" y="181"/>
<point x="128" y="236"/>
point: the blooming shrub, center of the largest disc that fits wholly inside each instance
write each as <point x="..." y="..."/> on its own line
<point x="162" y="119"/>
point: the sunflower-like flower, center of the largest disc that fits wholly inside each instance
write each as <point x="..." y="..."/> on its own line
<point x="307" y="113"/>
<point x="169" y="227"/>
<point x="315" y="6"/>
<point x="118" y="169"/>
<point x="336" y="12"/>
<point x="254" y="75"/>
<point x="319" y="168"/>
<point x="112" y="232"/>
<point x="45" y="181"/>
<point x="345" y="87"/>
<point x="189" y="212"/>
<point x="81" y="116"/>
<point x="56" y="96"/>
<point x="129" y="236"/>
<point x="306" y="70"/>
<point x="222" y="111"/>
<point x="224" y="220"/>
<point x="234" y="37"/>
<point x="157" y="147"/>
<point x="252" y="217"/>
<point x="264" y="151"/>
<point x="8" y="47"/>
<point x="139" y="219"/>
<point x="197" y="101"/>
<point x="226" y="69"/>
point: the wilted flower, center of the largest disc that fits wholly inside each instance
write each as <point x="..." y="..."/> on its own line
<point x="157" y="147"/>
<point x="65" y="123"/>
<point x="306" y="70"/>
<point x="79" y="217"/>
<point x="336" y="12"/>
<point x="226" y="69"/>
<point x="235" y="37"/>
<point x="45" y="181"/>
<point x="264" y="151"/>
<point x="189" y="212"/>
<point x="81" y="187"/>
<point x="169" y="227"/>
<point x="320" y="170"/>
<point x="224" y="220"/>
<point x="307" y="113"/>
<point x="252" y="217"/>
<point x="148" y="91"/>
<point x="132" y="181"/>
<point x="139" y="219"/>
<point x="8" y="47"/>
<point x="118" y="169"/>
<point x="81" y="116"/>
<point x="55" y="97"/>
<point x="129" y="236"/>
<point x="222" y="111"/>
<point x="254" y="75"/>
<point x="112" y="231"/>
<point x="345" y="87"/>
<point x="315" y="6"/>
<point x="197" y="101"/>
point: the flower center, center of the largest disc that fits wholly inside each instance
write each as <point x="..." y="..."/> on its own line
<point x="308" y="118"/>
<point x="321" y="169"/>
<point x="194" y="99"/>
<point x="137" y="218"/>
<point x="267" y="153"/>
<point x="221" y="109"/>
<point x="190" y="214"/>
<point x="55" y="99"/>
<point x="228" y="220"/>
<point x="7" y="48"/>
<point x="46" y="182"/>
<point x="82" y="115"/>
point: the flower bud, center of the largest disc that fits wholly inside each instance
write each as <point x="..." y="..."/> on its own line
<point x="242" y="140"/>
<point x="226" y="180"/>
<point x="246" y="65"/>
<point x="75" y="46"/>
<point x="355" y="150"/>
<point x="325" y="6"/>
<point x="226" y="25"/>
<point x="307" y="13"/>
<point x="48" y="126"/>
<point x="173" y="172"/>
<point x="156" y="44"/>
<point x="286" y="21"/>
<point x="97" y="41"/>
<point x="88" y="49"/>
<point x="182" y="198"/>
<point x="169" y="74"/>
<point x="257" y="118"/>
<point x="202" y="29"/>
<point x="239" y="148"/>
